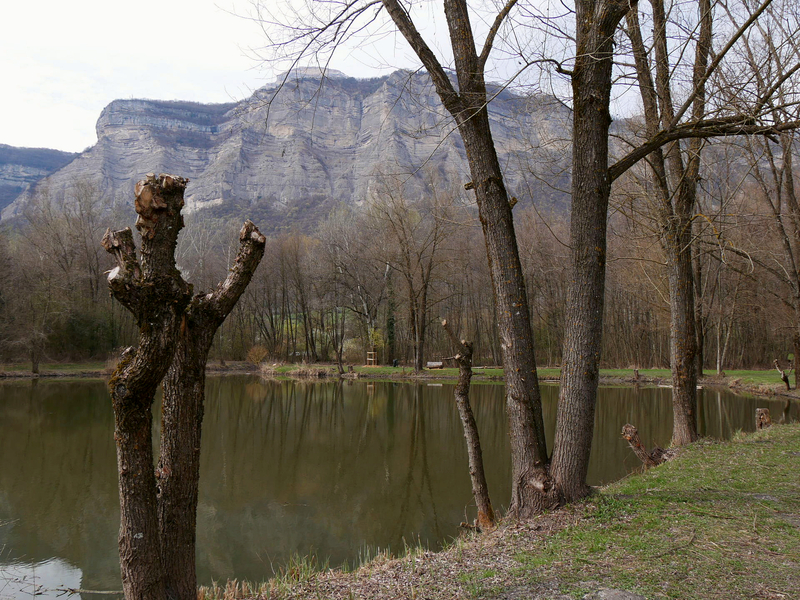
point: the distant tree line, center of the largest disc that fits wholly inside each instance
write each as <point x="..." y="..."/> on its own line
<point x="381" y="276"/>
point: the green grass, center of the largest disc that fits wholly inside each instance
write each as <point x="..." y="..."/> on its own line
<point x="721" y="521"/>
<point x="760" y="380"/>
<point x="757" y="377"/>
<point x="628" y="373"/>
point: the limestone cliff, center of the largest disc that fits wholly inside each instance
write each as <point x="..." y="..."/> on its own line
<point x="296" y="148"/>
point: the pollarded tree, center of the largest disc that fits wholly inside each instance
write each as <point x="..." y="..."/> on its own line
<point x="157" y="518"/>
<point x="153" y="290"/>
<point x="178" y="471"/>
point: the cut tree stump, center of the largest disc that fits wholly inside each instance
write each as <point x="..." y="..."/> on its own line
<point x="763" y="420"/>
<point x="784" y="376"/>
<point x="480" y="491"/>
<point x="654" y="457"/>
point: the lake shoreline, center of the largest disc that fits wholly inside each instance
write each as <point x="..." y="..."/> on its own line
<point x="610" y="540"/>
<point x="760" y="383"/>
<point x="720" y="521"/>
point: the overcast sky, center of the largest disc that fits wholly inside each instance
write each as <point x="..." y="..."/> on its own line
<point x="62" y="62"/>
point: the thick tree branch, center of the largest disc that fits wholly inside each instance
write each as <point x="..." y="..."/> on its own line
<point x="251" y="250"/>
<point x="444" y="87"/>
<point x="124" y="279"/>
<point x="738" y="125"/>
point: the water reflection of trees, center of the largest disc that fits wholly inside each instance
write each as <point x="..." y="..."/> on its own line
<point x="294" y="467"/>
<point x="333" y="467"/>
<point x="58" y="489"/>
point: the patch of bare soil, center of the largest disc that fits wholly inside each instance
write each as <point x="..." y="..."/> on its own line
<point x="475" y="565"/>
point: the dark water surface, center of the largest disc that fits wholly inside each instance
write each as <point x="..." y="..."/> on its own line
<point x="336" y="469"/>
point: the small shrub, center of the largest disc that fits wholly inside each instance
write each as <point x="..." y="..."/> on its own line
<point x="257" y="355"/>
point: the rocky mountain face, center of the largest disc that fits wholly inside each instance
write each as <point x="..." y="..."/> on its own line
<point x="21" y="168"/>
<point x="295" y="149"/>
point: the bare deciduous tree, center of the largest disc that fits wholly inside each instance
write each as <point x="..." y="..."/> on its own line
<point x="535" y="484"/>
<point x="675" y="169"/>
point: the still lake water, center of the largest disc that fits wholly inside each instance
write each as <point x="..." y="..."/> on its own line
<point x="333" y="469"/>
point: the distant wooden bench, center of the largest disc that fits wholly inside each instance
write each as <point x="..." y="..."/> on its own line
<point x="434" y="365"/>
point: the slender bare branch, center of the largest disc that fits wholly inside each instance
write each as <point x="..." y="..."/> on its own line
<point x="487" y="45"/>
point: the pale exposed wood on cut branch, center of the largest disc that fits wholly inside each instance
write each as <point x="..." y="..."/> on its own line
<point x="654" y="457"/>
<point x="124" y="279"/>
<point x="153" y="290"/>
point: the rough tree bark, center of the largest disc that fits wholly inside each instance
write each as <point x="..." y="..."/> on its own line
<point x="535" y="484"/>
<point x="480" y="491"/>
<point x="675" y="181"/>
<point x="178" y="471"/>
<point x="531" y="486"/>
<point x="596" y="22"/>
<point x="784" y="376"/>
<point x="158" y="510"/>
<point x="153" y="290"/>
<point x="763" y="420"/>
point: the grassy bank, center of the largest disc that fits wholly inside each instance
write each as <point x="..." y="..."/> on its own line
<point x="766" y="382"/>
<point x="93" y="368"/>
<point x="721" y="521"/>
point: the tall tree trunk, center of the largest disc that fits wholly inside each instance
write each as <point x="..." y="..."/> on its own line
<point x="531" y="487"/>
<point x="683" y="341"/>
<point x="155" y="293"/>
<point x="675" y="183"/>
<point x="178" y="470"/>
<point x="591" y="187"/>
